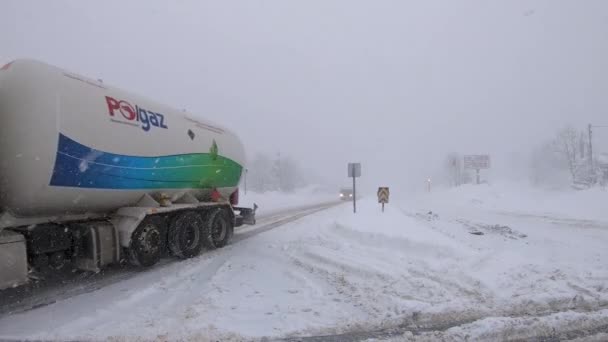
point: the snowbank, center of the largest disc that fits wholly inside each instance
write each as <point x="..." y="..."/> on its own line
<point x="587" y="204"/>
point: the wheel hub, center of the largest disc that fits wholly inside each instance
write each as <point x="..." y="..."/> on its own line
<point x="219" y="230"/>
<point x="149" y="240"/>
<point x="191" y="237"/>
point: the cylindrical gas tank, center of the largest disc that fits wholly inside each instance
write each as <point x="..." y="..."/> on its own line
<point x="72" y="145"/>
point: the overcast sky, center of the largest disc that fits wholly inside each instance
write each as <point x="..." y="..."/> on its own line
<point x="395" y="85"/>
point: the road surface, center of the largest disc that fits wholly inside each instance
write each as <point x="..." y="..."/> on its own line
<point x="72" y="282"/>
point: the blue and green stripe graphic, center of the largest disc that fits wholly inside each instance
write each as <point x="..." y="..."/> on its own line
<point x="77" y="165"/>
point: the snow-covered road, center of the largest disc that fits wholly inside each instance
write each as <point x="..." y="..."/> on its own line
<point x="441" y="267"/>
<point x="70" y="283"/>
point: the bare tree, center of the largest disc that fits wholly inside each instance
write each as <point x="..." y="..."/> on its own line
<point x="454" y="168"/>
<point x="260" y="174"/>
<point x="566" y="144"/>
<point x="546" y="165"/>
<point x="279" y="174"/>
<point x="582" y="145"/>
<point x="290" y="176"/>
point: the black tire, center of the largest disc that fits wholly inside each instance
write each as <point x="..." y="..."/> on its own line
<point x="206" y="230"/>
<point x="185" y="236"/>
<point x="58" y="260"/>
<point x="147" y="242"/>
<point x="40" y="262"/>
<point x="221" y="227"/>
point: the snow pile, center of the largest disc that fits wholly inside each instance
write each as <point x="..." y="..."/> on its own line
<point x="519" y="197"/>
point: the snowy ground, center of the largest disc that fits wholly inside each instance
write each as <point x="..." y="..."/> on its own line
<point x="488" y="263"/>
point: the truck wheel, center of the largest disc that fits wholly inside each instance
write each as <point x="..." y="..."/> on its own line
<point x="40" y="261"/>
<point x="147" y="242"/>
<point x="185" y="235"/>
<point x="58" y="260"/>
<point x="221" y="228"/>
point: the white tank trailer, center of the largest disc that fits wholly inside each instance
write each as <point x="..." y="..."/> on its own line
<point x="91" y="174"/>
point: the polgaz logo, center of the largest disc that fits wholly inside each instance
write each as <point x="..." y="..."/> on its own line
<point x="123" y="112"/>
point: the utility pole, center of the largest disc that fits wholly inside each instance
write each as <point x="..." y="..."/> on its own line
<point x="279" y="171"/>
<point x="590" y="132"/>
<point x="590" y="146"/>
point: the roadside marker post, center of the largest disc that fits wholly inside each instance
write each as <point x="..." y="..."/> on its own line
<point x="383" y="195"/>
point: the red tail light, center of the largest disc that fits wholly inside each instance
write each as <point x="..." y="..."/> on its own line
<point x="6" y="66"/>
<point x="234" y="198"/>
<point x="215" y="195"/>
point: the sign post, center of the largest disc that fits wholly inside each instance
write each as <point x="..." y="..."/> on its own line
<point x="354" y="196"/>
<point x="383" y="194"/>
<point x="354" y="171"/>
<point x="477" y="162"/>
<point x="246" y="170"/>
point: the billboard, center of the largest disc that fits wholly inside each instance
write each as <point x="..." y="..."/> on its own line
<point x="477" y="162"/>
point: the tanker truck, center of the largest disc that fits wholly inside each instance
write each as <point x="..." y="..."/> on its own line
<point x="91" y="175"/>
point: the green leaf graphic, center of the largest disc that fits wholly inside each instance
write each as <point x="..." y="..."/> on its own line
<point x="213" y="151"/>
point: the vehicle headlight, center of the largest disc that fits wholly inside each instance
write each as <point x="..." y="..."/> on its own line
<point x="341" y="195"/>
<point x="350" y="195"/>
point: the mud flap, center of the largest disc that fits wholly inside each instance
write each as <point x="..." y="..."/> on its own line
<point x="245" y="215"/>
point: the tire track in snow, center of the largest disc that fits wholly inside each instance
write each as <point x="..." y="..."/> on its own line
<point x="560" y="221"/>
<point x="578" y="301"/>
<point x="337" y="265"/>
<point x="279" y="222"/>
<point x="475" y="326"/>
<point x="70" y="284"/>
<point x="434" y="326"/>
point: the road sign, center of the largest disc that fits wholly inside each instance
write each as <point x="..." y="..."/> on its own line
<point x="354" y="170"/>
<point x="477" y="162"/>
<point x="383" y="194"/>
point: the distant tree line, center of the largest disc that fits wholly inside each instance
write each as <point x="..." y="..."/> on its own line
<point x="563" y="159"/>
<point x="566" y="155"/>
<point x="454" y="170"/>
<point x="275" y="173"/>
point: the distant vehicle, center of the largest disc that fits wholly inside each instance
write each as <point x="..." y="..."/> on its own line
<point x="346" y="194"/>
